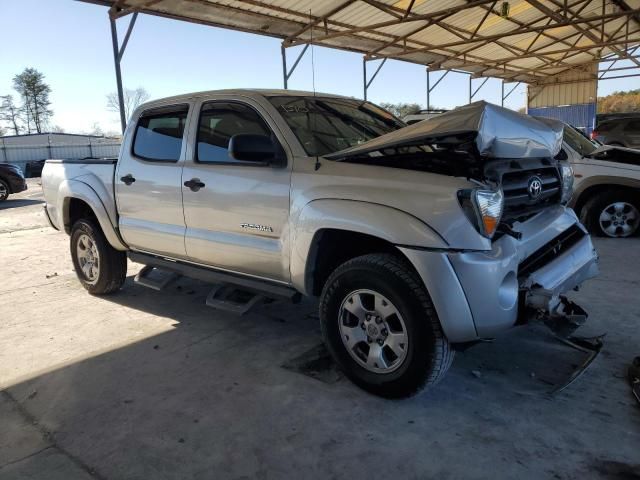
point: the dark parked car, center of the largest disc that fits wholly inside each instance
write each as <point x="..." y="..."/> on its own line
<point x="621" y="132"/>
<point x="34" y="169"/>
<point x="11" y="180"/>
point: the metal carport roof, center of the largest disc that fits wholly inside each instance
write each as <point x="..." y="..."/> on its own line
<point x="517" y="40"/>
<point x="530" y="41"/>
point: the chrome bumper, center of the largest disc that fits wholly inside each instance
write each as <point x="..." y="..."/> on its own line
<point x="476" y="294"/>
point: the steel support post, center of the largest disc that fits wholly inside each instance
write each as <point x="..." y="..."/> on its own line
<point x="428" y="90"/>
<point x="287" y="74"/>
<point x="285" y="78"/>
<point x="116" y="63"/>
<point x="118" y="52"/>
<point x="364" y="77"/>
<point x="368" y="83"/>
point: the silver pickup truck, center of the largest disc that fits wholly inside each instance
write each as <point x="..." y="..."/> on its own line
<point x="416" y="238"/>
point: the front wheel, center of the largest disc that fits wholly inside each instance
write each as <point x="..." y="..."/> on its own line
<point x="4" y="190"/>
<point x="381" y="328"/>
<point x="613" y="214"/>
<point x="100" y="268"/>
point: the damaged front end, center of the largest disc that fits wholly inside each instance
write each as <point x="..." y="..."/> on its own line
<point x="526" y="276"/>
<point x="536" y="249"/>
<point x="558" y="267"/>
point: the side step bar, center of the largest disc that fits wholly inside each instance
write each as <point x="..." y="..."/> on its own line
<point x="144" y="277"/>
<point x="263" y="287"/>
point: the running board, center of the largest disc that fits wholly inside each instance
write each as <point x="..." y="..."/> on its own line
<point x="210" y="275"/>
<point x="145" y="278"/>
<point x="233" y="300"/>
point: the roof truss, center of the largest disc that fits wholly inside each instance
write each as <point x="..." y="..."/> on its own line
<point x="517" y="40"/>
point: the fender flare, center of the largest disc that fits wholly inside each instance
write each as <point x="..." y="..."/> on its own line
<point x="74" y="189"/>
<point x="381" y="221"/>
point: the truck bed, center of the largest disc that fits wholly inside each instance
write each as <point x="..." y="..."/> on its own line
<point x="95" y="173"/>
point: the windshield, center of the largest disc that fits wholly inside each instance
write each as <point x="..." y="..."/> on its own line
<point x="325" y="125"/>
<point x="577" y="141"/>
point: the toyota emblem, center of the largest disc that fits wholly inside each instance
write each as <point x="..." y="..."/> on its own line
<point x="535" y="187"/>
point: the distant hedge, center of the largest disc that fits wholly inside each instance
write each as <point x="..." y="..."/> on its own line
<point x="620" y="102"/>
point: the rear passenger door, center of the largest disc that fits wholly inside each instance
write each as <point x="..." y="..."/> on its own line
<point x="237" y="220"/>
<point x="148" y="182"/>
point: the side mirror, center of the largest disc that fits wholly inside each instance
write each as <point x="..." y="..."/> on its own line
<point x="246" y="147"/>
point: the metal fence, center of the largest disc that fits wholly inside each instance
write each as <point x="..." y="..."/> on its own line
<point x="20" y="155"/>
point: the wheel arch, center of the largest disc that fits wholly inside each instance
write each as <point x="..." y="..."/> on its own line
<point x="78" y="200"/>
<point x="603" y="184"/>
<point x="330" y="232"/>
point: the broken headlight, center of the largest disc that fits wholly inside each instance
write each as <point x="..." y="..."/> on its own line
<point x="566" y="172"/>
<point x="483" y="208"/>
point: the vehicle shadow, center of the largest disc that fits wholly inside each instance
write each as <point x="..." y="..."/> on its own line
<point x="18" y="202"/>
<point x="210" y="394"/>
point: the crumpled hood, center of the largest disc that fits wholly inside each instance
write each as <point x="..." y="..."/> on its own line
<point x="611" y="153"/>
<point x="499" y="133"/>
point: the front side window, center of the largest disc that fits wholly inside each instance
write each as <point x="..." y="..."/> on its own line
<point x="158" y="135"/>
<point x="219" y="121"/>
<point x="325" y="125"/>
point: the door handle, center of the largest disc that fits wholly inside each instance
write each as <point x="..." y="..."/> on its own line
<point x="128" y="179"/>
<point x="194" y="184"/>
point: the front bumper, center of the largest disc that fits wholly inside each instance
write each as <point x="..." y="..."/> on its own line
<point x="478" y="294"/>
<point x="17" y="184"/>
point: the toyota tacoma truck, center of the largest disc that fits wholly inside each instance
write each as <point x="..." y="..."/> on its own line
<point x="416" y="239"/>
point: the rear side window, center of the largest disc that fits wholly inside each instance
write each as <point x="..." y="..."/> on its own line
<point x="633" y="126"/>
<point x="604" y="126"/>
<point x="219" y="121"/>
<point x="158" y="135"/>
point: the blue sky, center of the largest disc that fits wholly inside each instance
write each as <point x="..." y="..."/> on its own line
<point x="72" y="47"/>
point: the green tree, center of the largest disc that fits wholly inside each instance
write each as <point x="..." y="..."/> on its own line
<point x="401" y="110"/>
<point x="10" y="113"/>
<point x="620" y="102"/>
<point x="35" y="92"/>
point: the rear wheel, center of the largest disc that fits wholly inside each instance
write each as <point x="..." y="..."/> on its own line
<point x="381" y="328"/>
<point x="4" y="190"/>
<point x="100" y="268"/>
<point x="613" y="214"/>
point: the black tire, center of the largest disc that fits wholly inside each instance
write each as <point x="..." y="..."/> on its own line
<point x="112" y="264"/>
<point x="595" y="206"/>
<point x="4" y="190"/>
<point x="429" y="354"/>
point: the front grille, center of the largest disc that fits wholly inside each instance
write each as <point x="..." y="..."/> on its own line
<point x="517" y="200"/>
<point x="551" y="250"/>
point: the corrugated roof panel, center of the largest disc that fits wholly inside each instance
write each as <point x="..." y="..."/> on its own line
<point x="372" y="26"/>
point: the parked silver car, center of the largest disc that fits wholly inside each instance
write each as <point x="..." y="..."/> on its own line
<point x="415" y="238"/>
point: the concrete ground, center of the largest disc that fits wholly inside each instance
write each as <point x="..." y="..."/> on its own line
<point x="149" y="385"/>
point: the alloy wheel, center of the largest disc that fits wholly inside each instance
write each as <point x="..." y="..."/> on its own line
<point x="88" y="258"/>
<point x="619" y="219"/>
<point x="373" y="331"/>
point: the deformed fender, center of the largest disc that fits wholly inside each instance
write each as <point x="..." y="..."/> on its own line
<point x="381" y="221"/>
<point x="70" y="189"/>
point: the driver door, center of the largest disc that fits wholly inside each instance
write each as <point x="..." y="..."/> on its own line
<point x="236" y="212"/>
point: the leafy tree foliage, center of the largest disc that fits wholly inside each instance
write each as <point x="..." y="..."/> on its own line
<point x="401" y="110"/>
<point x="620" y="102"/>
<point x="35" y="92"/>
<point x="10" y="114"/>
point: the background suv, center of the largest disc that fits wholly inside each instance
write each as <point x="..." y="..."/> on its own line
<point x="622" y="132"/>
